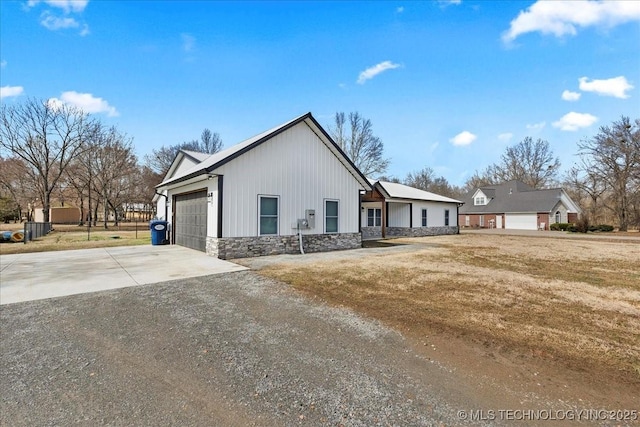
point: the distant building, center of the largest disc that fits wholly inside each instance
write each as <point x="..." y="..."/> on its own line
<point x="518" y="206"/>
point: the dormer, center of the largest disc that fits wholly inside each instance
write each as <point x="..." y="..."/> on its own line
<point x="479" y="198"/>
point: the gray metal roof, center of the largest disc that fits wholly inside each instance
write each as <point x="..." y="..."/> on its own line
<point x="196" y="155"/>
<point x="513" y="196"/>
<point x="401" y="191"/>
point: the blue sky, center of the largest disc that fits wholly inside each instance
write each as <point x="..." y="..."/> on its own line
<point x="446" y="84"/>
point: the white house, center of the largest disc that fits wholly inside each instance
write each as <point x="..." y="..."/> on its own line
<point x="393" y="210"/>
<point x="252" y="198"/>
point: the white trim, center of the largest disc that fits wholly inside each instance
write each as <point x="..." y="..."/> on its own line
<point x="324" y="225"/>
<point x="269" y="196"/>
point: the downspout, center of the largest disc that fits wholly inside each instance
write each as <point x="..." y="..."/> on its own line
<point x="166" y="205"/>
<point x="458" y="216"/>
<point x="300" y="239"/>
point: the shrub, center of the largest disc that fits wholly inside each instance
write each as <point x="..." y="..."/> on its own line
<point x="605" y="227"/>
<point x="560" y="226"/>
<point x="582" y="225"/>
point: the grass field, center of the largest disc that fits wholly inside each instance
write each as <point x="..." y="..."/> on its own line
<point x="574" y="302"/>
<point x="66" y="237"/>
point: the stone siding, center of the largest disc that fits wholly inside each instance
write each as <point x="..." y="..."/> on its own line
<point x="371" y="233"/>
<point x="420" y="231"/>
<point x="243" y="247"/>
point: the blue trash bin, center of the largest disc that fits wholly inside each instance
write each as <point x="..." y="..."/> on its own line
<point x="158" y="232"/>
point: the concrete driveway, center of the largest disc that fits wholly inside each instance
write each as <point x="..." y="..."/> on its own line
<point x="34" y="276"/>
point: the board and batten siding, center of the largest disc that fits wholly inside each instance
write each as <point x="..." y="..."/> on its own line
<point x="435" y="213"/>
<point x="299" y="168"/>
<point x="398" y="214"/>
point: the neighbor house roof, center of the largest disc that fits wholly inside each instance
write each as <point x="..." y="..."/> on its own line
<point x="393" y="190"/>
<point x="216" y="160"/>
<point x="514" y="197"/>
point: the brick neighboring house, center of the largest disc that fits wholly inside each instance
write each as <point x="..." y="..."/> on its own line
<point x="517" y="206"/>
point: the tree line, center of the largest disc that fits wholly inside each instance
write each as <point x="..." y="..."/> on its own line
<point x="57" y="152"/>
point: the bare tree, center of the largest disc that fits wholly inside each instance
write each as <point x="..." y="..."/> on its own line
<point x="46" y="137"/>
<point x="210" y="143"/>
<point x="588" y="190"/>
<point x="357" y="140"/>
<point x="531" y="162"/>
<point x="422" y="179"/>
<point x="160" y="159"/>
<point x="613" y="157"/>
<point x="425" y="179"/>
<point x="14" y="182"/>
<point x="114" y="166"/>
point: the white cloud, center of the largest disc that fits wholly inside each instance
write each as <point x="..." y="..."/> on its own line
<point x="616" y="86"/>
<point x="371" y="72"/>
<point x="3" y="64"/>
<point x="433" y="147"/>
<point x="85" y="30"/>
<point x="560" y="18"/>
<point x="463" y="138"/>
<point x="66" y="5"/>
<point x="9" y="91"/>
<point x="536" y="126"/>
<point x="573" y="121"/>
<point x="54" y="23"/>
<point x="567" y="95"/>
<point x="505" y="136"/>
<point x="188" y="42"/>
<point x="400" y="9"/>
<point x="449" y="2"/>
<point x="86" y="102"/>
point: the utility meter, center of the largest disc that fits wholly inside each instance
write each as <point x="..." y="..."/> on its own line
<point x="310" y="216"/>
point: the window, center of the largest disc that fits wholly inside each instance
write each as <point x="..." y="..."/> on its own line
<point x="467" y="221"/>
<point x="331" y="216"/>
<point x="424" y="217"/>
<point x="479" y="201"/>
<point x="558" y="217"/>
<point x="446" y="217"/>
<point x="268" y="212"/>
<point x="481" y="220"/>
<point x="374" y="217"/>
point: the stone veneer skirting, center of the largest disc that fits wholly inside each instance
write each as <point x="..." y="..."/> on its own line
<point x="371" y="233"/>
<point x="243" y="247"/>
<point x="420" y="231"/>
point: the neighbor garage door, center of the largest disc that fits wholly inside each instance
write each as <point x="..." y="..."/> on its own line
<point x="190" y="220"/>
<point x="521" y="221"/>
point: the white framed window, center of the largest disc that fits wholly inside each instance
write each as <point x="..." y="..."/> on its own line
<point x="446" y="217"/>
<point x="268" y="214"/>
<point x="424" y="217"/>
<point x="481" y="220"/>
<point x="331" y="216"/>
<point x="480" y="200"/>
<point x="558" y="217"/>
<point x="374" y="217"/>
<point x="467" y="221"/>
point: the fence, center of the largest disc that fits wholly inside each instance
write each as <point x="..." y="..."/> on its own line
<point x="33" y="230"/>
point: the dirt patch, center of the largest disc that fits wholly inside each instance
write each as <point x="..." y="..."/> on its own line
<point x="505" y="307"/>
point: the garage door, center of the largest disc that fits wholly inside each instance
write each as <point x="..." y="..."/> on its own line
<point x="521" y="221"/>
<point x="190" y="220"/>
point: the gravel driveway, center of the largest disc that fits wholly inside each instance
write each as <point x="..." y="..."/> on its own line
<point x="231" y="349"/>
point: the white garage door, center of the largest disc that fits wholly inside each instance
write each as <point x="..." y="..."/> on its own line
<point x="521" y="221"/>
<point x="190" y="220"/>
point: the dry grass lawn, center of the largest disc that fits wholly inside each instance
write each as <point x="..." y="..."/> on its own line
<point x="576" y="302"/>
<point x="66" y="237"/>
